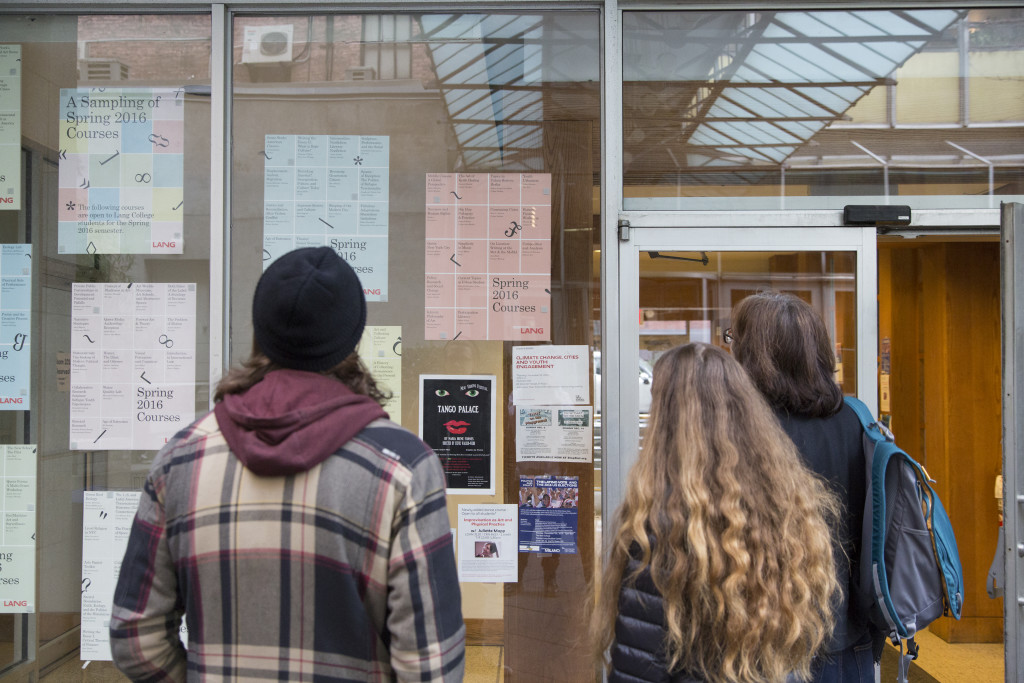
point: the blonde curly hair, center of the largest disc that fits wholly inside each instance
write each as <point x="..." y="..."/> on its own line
<point x="732" y="527"/>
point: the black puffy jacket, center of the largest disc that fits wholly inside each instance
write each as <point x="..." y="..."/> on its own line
<point x="638" y="653"/>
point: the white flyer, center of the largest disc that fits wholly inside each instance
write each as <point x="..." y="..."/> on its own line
<point x="488" y="543"/>
<point x="106" y="523"/>
<point x="133" y="364"/>
<point x="554" y="434"/>
<point x="18" y="528"/>
<point x="550" y="375"/>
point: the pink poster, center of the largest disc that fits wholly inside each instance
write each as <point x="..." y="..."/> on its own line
<point x="488" y="256"/>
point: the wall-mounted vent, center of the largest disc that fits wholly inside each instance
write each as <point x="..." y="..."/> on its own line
<point x="101" y="70"/>
<point x="360" y="73"/>
<point x="267" y="44"/>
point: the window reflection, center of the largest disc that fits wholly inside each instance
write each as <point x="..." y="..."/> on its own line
<point x="807" y="109"/>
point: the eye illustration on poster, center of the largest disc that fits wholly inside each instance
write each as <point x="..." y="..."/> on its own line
<point x="457" y="414"/>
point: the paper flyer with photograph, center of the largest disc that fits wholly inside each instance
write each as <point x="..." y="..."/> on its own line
<point x="18" y="528"/>
<point x="488" y="256"/>
<point x="487" y="543"/>
<point x="550" y="375"/>
<point x="106" y="523"/>
<point x="15" y="325"/>
<point x="457" y="415"/>
<point x="121" y="172"/>
<point x="133" y="364"/>
<point x="548" y="514"/>
<point x="554" y="434"/>
<point x="333" y="191"/>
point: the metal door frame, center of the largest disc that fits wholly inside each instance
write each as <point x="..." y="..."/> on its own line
<point x="646" y="232"/>
<point x="1012" y="295"/>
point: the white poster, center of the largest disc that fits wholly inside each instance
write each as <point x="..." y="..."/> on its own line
<point x="15" y="325"/>
<point x="121" y="171"/>
<point x="106" y="522"/>
<point x="488" y="543"/>
<point x="18" y="528"/>
<point x="10" y="127"/>
<point x="554" y="434"/>
<point x="381" y="351"/>
<point x="133" y="364"/>
<point x="550" y="375"/>
<point x="329" y="190"/>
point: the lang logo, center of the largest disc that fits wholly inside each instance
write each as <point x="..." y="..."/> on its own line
<point x="531" y="330"/>
<point x="164" y="245"/>
<point x="6" y="200"/>
<point x="371" y="291"/>
<point x="15" y="603"/>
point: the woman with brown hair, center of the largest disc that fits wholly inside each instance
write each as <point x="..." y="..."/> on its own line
<point x="783" y="344"/>
<point x="720" y="565"/>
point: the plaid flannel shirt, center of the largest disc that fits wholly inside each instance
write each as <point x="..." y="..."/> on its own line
<point x="345" y="572"/>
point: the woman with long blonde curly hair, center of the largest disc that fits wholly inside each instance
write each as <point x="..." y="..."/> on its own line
<point x="720" y="566"/>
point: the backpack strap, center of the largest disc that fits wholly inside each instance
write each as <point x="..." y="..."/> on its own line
<point x="874" y="429"/>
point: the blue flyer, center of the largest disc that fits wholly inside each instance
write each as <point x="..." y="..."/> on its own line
<point x="548" y="514"/>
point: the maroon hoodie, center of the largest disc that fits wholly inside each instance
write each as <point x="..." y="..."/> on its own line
<point x="292" y="420"/>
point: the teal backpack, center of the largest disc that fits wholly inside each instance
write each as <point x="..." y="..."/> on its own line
<point x="910" y="571"/>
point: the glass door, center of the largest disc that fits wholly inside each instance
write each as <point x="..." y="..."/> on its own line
<point x="680" y="285"/>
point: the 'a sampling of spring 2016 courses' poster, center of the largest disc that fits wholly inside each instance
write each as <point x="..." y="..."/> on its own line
<point x="457" y="414"/>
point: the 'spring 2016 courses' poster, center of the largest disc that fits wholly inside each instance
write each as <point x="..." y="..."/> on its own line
<point x="133" y="363"/>
<point x="329" y="190"/>
<point x="10" y="127"/>
<point x="121" y="171"/>
<point x="488" y="256"/>
<point x="457" y="414"/>
<point x="106" y="523"/>
<point x="18" y="528"/>
<point x="15" y="325"/>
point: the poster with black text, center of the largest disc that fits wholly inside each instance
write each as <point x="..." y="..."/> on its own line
<point x="457" y="415"/>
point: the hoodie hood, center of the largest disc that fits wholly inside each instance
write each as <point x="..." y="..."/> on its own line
<point x="292" y="420"/>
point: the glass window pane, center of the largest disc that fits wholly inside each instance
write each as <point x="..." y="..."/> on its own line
<point x="454" y="106"/>
<point x="819" y="109"/>
<point x="689" y="297"/>
<point x="111" y="173"/>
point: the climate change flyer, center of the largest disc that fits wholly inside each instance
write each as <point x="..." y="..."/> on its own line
<point x="488" y="256"/>
<point x="457" y="415"/>
<point x="133" y="364"/>
<point x="329" y="190"/>
<point x="121" y="171"/>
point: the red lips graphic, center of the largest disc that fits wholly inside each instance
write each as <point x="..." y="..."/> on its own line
<point x="456" y="426"/>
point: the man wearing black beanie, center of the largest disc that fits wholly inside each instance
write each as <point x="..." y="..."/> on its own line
<point x="301" y="532"/>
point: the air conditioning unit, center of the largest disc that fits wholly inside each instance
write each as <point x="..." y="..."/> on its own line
<point x="267" y="44"/>
<point x="101" y="70"/>
<point x="361" y="73"/>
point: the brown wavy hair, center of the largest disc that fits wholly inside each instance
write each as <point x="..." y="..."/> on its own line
<point x="732" y="527"/>
<point x="351" y="372"/>
<point x="784" y="346"/>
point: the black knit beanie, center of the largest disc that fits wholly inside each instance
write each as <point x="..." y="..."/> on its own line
<point x="309" y="311"/>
